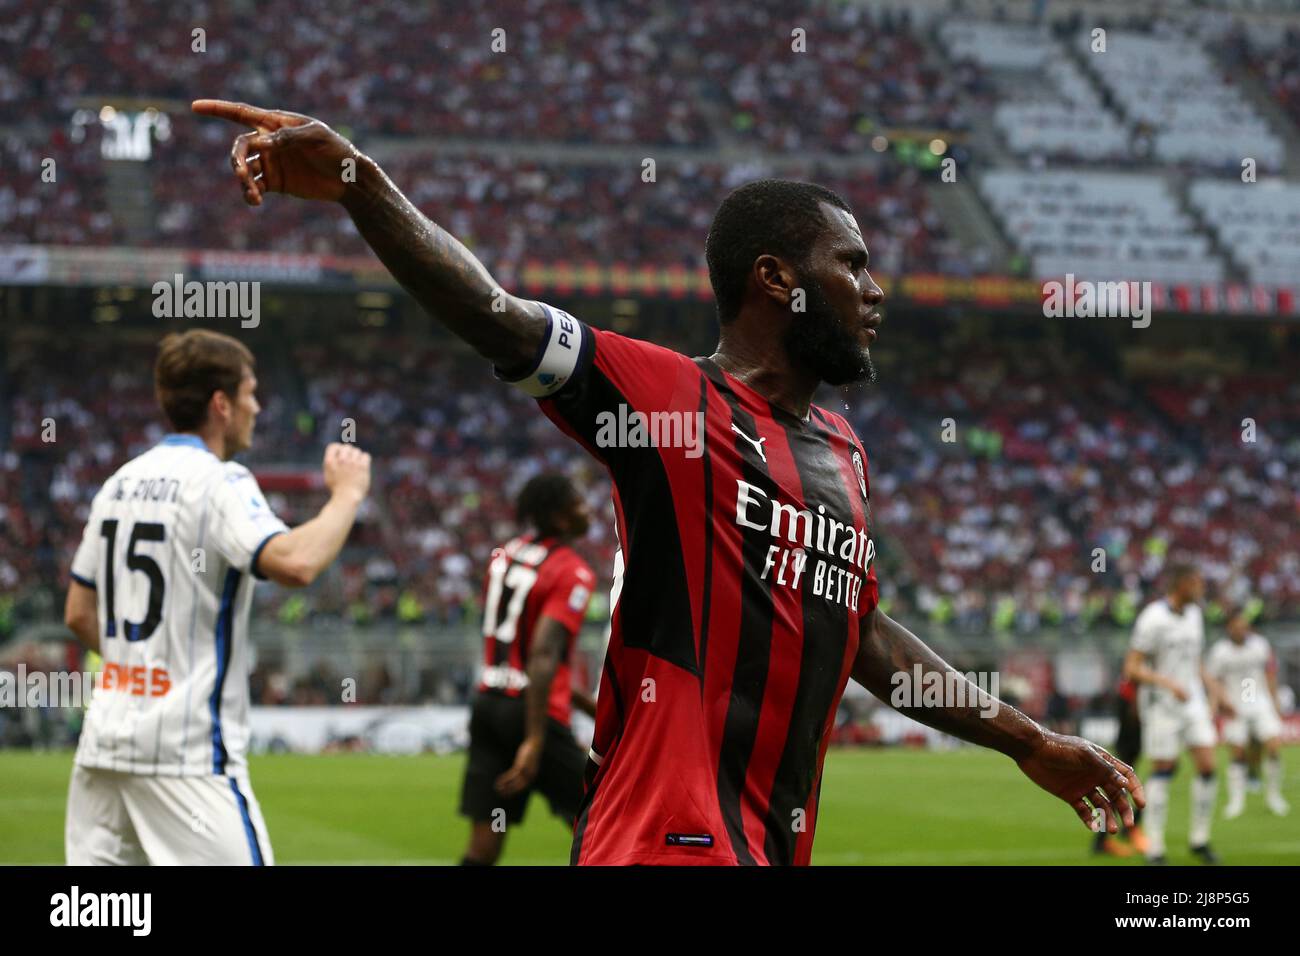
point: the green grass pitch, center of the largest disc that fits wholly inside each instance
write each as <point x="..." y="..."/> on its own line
<point x="890" y="807"/>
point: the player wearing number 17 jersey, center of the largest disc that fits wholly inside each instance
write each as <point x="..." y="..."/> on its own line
<point x="535" y="599"/>
<point x="749" y="595"/>
<point x="162" y="588"/>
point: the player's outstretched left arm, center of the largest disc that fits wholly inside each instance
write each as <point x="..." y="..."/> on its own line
<point x="300" y="156"/>
<point x="1078" y="771"/>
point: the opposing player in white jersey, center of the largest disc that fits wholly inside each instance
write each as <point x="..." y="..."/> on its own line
<point x="1176" y="700"/>
<point x="1243" y="665"/>
<point x="161" y="589"/>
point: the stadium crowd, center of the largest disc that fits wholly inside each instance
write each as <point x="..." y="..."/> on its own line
<point x="573" y="72"/>
<point x="577" y="71"/>
<point x="510" y="211"/>
<point x="992" y="524"/>
<point x="996" y="520"/>
<point x="994" y="477"/>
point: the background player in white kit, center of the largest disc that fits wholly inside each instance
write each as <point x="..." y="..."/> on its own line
<point x="1242" y="665"/>
<point x="161" y="589"/>
<point x="1177" y="699"/>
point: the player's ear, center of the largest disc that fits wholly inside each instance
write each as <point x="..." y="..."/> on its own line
<point x="219" y="405"/>
<point x="775" y="278"/>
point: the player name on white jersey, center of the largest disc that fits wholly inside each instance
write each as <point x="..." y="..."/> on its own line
<point x="170" y="546"/>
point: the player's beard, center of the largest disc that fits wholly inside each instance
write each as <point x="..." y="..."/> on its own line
<point x="818" y="340"/>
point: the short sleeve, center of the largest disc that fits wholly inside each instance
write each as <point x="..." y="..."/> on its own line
<point x="85" y="563"/>
<point x="870" y="593"/>
<point x="568" y="595"/>
<point x="1145" y="632"/>
<point x="589" y="381"/>
<point x="243" y="522"/>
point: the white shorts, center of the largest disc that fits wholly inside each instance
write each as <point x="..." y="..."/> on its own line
<point x="1166" y="731"/>
<point x="127" y="819"/>
<point x="1261" y="723"/>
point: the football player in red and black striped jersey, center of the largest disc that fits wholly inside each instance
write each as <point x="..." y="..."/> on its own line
<point x="749" y="594"/>
<point x="535" y="599"/>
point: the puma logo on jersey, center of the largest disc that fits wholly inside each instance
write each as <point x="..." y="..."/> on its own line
<point x="758" y="444"/>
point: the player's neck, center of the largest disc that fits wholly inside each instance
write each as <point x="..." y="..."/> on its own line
<point x="214" y="441"/>
<point x="1177" y="603"/>
<point x="767" y="369"/>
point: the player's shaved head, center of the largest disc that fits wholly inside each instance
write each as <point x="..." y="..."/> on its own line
<point x="778" y="217"/>
<point x="192" y="366"/>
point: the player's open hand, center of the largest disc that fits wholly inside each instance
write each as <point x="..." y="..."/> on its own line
<point x="346" y="470"/>
<point x="288" y="153"/>
<point x="528" y="760"/>
<point x="1081" y="773"/>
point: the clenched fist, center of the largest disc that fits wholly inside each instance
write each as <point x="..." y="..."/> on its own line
<point x="346" y="470"/>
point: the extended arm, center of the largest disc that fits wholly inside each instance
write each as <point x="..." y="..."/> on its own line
<point x="301" y="156"/>
<point x="448" y="280"/>
<point x="1071" y="768"/>
<point x="888" y="654"/>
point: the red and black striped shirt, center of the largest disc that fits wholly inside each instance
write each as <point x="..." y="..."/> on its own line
<point x="747" y="567"/>
<point x="528" y="579"/>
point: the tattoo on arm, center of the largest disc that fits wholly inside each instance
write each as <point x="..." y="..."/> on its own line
<point x="448" y="280"/>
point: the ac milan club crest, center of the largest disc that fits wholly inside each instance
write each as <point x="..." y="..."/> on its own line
<point x="861" y="472"/>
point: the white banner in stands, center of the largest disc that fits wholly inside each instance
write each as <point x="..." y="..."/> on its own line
<point x="385" y="730"/>
<point x="389" y="730"/>
<point x="24" y="265"/>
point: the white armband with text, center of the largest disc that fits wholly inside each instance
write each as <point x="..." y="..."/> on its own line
<point x="556" y="359"/>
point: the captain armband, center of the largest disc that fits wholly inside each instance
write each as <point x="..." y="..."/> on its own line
<point x="557" y="358"/>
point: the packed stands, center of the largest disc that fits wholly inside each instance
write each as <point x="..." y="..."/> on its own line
<point x="1054" y="457"/>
